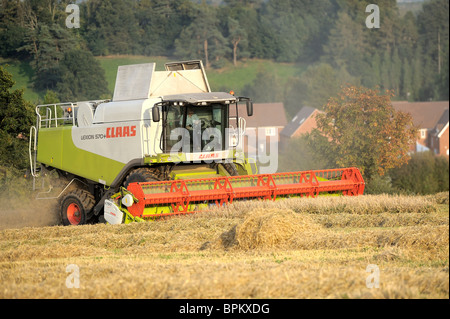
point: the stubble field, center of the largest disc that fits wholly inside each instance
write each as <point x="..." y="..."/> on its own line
<point x="329" y="247"/>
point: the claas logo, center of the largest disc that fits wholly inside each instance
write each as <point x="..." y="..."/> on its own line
<point x="121" y="131"/>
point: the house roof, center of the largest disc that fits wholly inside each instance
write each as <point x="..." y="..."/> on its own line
<point x="426" y="115"/>
<point x="264" y="115"/>
<point x="443" y="122"/>
<point x="297" y="121"/>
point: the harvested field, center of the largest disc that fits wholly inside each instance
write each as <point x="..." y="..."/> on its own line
<point x="295" y="248"/>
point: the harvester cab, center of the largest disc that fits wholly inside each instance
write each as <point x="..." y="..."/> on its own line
<point x="163" y="145"/>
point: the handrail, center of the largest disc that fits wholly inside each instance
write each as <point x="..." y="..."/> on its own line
<point x="32" y="144"/>
<point x="51" y="118"/>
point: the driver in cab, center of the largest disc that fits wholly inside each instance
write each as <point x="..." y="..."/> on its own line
<point x="191" y="119"/>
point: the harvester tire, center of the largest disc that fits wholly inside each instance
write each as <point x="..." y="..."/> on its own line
<point x="231" y="169"/>
<point x="142" y="174"/>
<point x="76" y="207"/>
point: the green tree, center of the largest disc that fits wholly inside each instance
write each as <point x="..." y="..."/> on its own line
<point x="433" y="24"/>
<point x="12" y="29"/>
<point x="424" y="173"/>
<point x="441" y="172"/>
<point x="160" y="23"/>
<point x="406" y="85"/>
<point x="376" y="70"/>
<point x="396" y="72"/>
<point x="407" y="35"/>
<point x="47" y="45"/>
<point x="364" y="130"/>
<point x="320" y="17"/>
<point x="386" y="68"/>
<point x="82" y="77"/>
<point x="238" y="39"/>
<point x="248" y="14"/>
<point x="295" y="30"/>
<point x="443" y="83"/>
<point x="264" y="89"/>
<point x="51" y="97"/>
<point x="417" y="75"/>
<point x="315" y="86"/>
<point x="372" y="55"/>
<point x="289" y="28"/>
<point x="428" y="89"/>
<point x="16" y="118"/>
<point x="202" y="38"/>
<point x="346" y="45"/>
<point x="385" y="37"/>
<point x="111" y="27"/>
<point x="322" y="82"/>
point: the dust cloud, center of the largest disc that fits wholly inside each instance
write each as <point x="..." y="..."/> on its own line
<point x="27" y="212"/>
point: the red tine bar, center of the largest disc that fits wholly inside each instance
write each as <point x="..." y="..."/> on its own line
<point x="224" y="189"/>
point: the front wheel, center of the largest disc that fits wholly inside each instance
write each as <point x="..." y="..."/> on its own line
<point x="76" y="207"/>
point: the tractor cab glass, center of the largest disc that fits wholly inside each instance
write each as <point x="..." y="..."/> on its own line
<point x="194" y="128"/>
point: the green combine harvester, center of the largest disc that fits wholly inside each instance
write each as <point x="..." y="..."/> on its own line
<point x="164" y="145"/>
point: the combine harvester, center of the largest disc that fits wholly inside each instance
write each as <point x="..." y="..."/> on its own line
<point x="164" y="145"/>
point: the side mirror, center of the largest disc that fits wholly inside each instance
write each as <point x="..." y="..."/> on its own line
<point x="155" y="114"/>
<point x="249" y="105"/>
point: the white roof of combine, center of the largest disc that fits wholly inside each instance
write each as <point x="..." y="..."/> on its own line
<point x="139" y="87"/>
<point x="141" y="81"/>
<point x="124" y="111"/>
<point x="195" y="98"/>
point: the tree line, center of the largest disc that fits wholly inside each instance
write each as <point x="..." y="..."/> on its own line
<point x="407" y="54"/>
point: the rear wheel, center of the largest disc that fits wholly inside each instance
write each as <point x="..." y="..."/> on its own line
<point x="76" y="207"/>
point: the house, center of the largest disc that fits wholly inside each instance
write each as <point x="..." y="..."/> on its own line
<point x="439" y="136"/>
<point x="432" y="119"/>
<point x="268" y="119"/>
<point x="303" y="122"/>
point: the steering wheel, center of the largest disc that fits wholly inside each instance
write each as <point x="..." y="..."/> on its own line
<point x="204" y="123"/>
